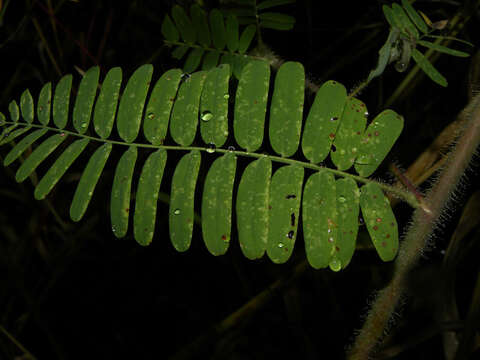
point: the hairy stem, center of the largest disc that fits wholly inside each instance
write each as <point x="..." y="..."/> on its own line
<point x="418" y="234"/>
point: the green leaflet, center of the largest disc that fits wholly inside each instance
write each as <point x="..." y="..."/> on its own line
<point x="319" y="218"/>
<point x="267" y="4"/>
<point x="349" y="135"/>
<point x="232" y="33"/>
<point x="121" y="189"/>
<point x="380" y="221"/>
<point x="384" y="54"/>
<point x="405" y="24"/>
<point x="218" y="29"/>
<point x="160" y="105"/>
<point x="200" y="23"/>
<point x="442" y="49"/>
<point x="193" y="60"/>
<point x="276" y="21"/>
<point x="415" y="16"/>
<point x="26" y="105"/>
<point x="88" y="182"/>
<point x="4" y="136"/>
<point x="59" y="167"/>
<point x="131" y="104"/>
<point x="214" y="106"/>
<point x="85" y="97"/>
<point x="251" y="105"/>
<point x="210" y="60"/>
<point x="217" y="204"/>
<point x="14" y="111"/>
<point x="246" y="38"/>
<point x="147" y="197"/>
<point x="106" y="105"/>
<point x="22" y="145"/>
<point x="44" y="104"/>
<point x="285" y="195"/>
<point x="287" y="108"/>
<point x="184" y="120"/>
<point x="184" y="25"/>
<point x="169" y="31"/>
<point x="181" y="213"/>
<point x="180" y="52"/>
<point x="38" y="155"/>
<point x="323" y="119"/>
<point x="348" y="197"/>
<point x="252" y="208"/>
<point x="377" y="141"/>
<point x="9" y="134"/>
<point x="61" y="101"/>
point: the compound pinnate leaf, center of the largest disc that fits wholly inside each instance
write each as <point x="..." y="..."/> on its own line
<point x="181" y="213"/>
<point x="85" y="97"/>
<point x="61" y="101"/>
<point x="251" y="105"/>
<point x="323" y="120"/>
<point x="44" y="104"/>
<point x="59" y="167"/>
<point x="26" y="105"/>
<point x="106" y="105"/>
<point x="287" y="108"/>
<point x="217" y="204"/>
<point x="319" y="218"/>
<point x="121" y="189"/>
<point x="132" y="102"/>
<point x="285" y="196"/>
<point x="380" y="221"/>
<point x="88" y="182"/>
<point x="147" y="197"/>
<point x="160" y="105"/>
<point x="252" y="208"/>
<point x="377" y="141"/>
<point x="38" y="155"/>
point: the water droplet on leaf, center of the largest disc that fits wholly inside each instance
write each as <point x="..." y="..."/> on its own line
<point x="150" y="116"/>
<point x="231" y="148"/>
<point x="211" y="148"/>
<point x="206" y="116"/>
<point x="342" y="199"/>
<point x="335" y="265"/>
<point x="290" y="234"/>
<point x="281" y="245"/>
<point x="176" y="212"/>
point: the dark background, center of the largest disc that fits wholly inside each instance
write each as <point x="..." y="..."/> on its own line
<point x="74" y="291"/>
